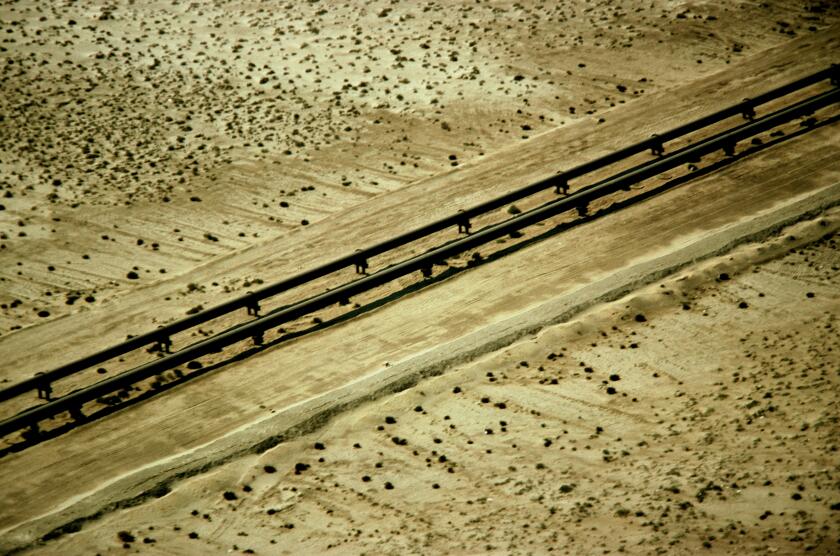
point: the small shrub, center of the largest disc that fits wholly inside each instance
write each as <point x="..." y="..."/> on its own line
<point x="125" y="536"/>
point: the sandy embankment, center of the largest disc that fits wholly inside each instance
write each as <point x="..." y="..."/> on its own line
<point x="698" y="414"/>
<point x="133" y="452"/>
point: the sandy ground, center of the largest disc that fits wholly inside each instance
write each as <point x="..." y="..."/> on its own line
<point x="140" y="140"/>
<point x="83" y="329"/>
<point x="189" y="144"/>
<point x="127" y="453"/>
<point x="698" y="415"/>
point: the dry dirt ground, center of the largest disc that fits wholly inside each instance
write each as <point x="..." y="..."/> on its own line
<point x="697" y="415"/>
<point x="156" y="157"/>
<point x="143" y="139"/>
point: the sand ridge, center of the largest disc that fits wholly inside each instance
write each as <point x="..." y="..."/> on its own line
<point x="116" y="493"/>
<point x="643" y="426"/>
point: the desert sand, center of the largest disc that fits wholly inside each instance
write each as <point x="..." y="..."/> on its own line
<point x="161" y="157"/>
<point x="143" y="139"/>
<point x="697" y="415"/>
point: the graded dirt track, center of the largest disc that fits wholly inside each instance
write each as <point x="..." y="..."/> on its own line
<point x="695" y="415"/>
<point x="142" y="307"/>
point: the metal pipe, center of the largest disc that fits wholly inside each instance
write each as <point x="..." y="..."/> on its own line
<point x="257" y="327"/>
<point x="558" y="181"/>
